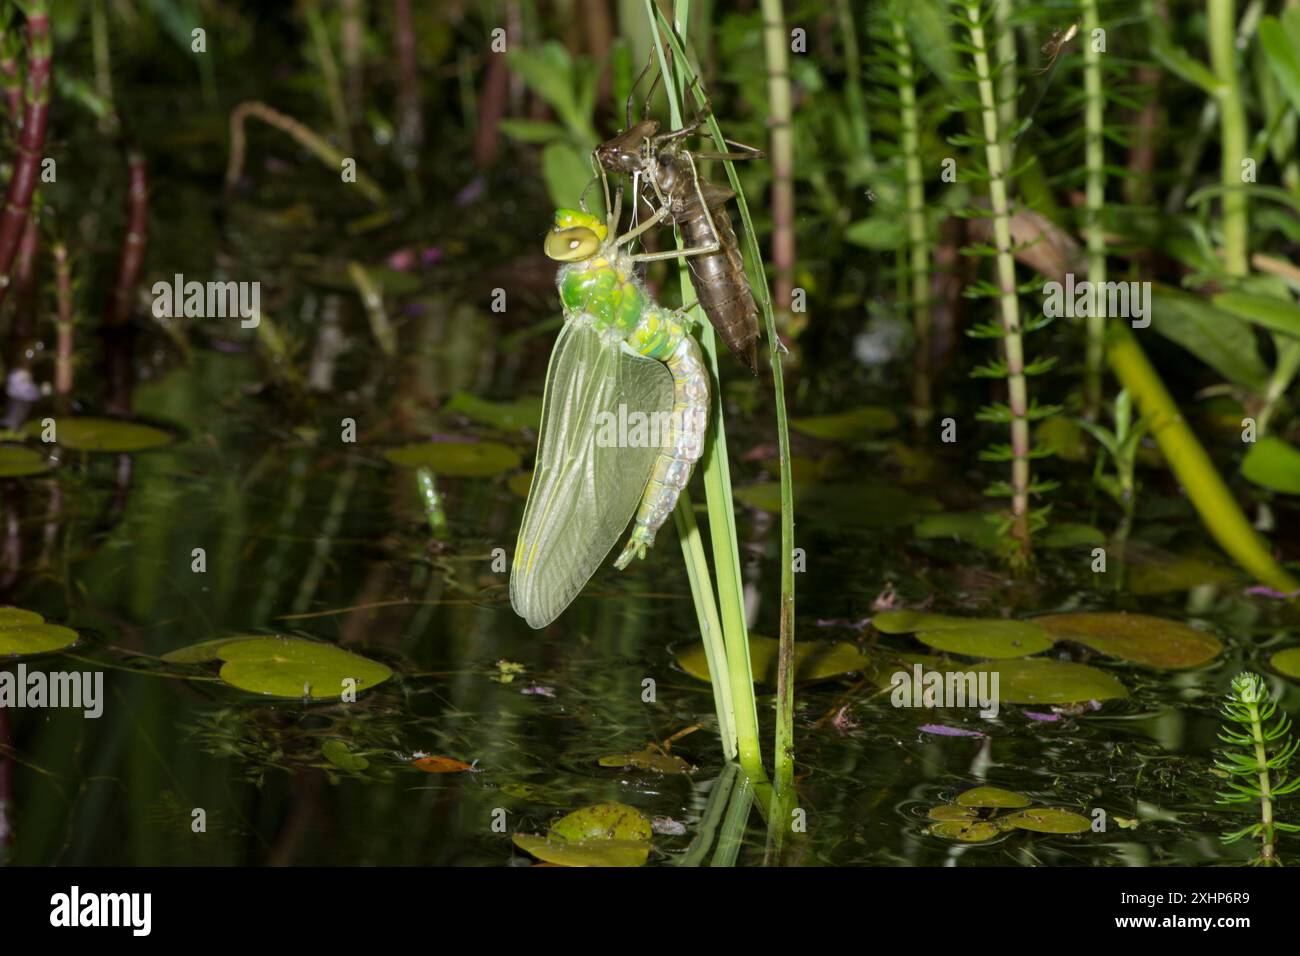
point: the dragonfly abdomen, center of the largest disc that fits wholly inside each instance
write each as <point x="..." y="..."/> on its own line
<point x="684" y="442"/>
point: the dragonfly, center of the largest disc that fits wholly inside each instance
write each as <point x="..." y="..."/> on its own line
<point x="664" y="175"/>
<point x="620" y="356"/>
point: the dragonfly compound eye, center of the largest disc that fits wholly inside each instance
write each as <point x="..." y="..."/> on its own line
<point x="571" y="245"/>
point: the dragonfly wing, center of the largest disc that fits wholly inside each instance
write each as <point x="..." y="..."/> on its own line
<point x="584" y="491"/>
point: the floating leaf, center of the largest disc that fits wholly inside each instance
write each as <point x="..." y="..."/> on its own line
<point x="1153" y="641"/>
<point x="204" y="651"/>
<point x="290" y="667"/>
<point x="19" y="462"/>
<point x="11" y="616"/>
<point x="1153" y="571"/>
<point x="506" y="416"/>
<point x="459" y="459"/>
<point x="648" y="759"/>
<point x="972" y="636"/>
<point x="19" y="640"/>
<point x="852" y="425"/>
<point x="1071" y="534"/>
<point x="1273" y="463"/>
<point x="431" y="763"/>
<point x="976" y="832"/>
<point x="1037" y="680"/>
<point x="520" y="483"/>
<point x="975" y="528"/>
<point x="948" y="812"/>
<point x="1287" y="662"/>
<point x="992" y="797"/>
<point x="337" y="753"/>
<point x="1048" y="820"/>
<point x="813" y="660"/>
<point x="103" y="434"/>
<point x="607" y="834"/>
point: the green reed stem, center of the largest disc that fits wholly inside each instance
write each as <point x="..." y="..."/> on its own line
<point x="717" y="488"/>
<point x="918" y="240"/>
<point x="1188" y="460"/>
<point x="1095" y="164"/>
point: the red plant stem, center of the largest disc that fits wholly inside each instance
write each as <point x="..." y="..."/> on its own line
<point x="63" y="375"/>
<point x="491" y="109"/>
<point x="40" y="50"/>
<point x="122" y="302"/>
<point x="11" y="80"/>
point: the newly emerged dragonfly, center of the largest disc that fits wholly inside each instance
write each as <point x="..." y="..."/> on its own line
<point x="665" y="177"/>
<point x="619" y="357"/>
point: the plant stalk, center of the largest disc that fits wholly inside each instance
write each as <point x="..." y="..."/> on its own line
<point x="1095" y="162"/>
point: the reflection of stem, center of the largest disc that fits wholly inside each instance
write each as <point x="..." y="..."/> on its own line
<point x="324" y="541"/>
<point x="63" y="373"/>
<point x="719" y="797"/>
<point x="410" y="131"/>
<point x="6" y="780"/>
<point x="733" y="827"/>
<point x="122" y="302"/>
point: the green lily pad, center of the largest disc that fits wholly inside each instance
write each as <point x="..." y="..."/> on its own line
<point x="1071" y="534"/>
<point x="19" y="640"/>
<point x="1037" y="680"/>
<point x="606" y="834"/>
<point x="290" y="667"/>
<point x="1153" y="641"/>
<point x="103" y="434"/>
<point x="949" y="813"/>
<point x="851" y="425"/>
<point x="11" y="616"/>
<point x="972" y="636"/>
<point x="520" y="483"/>
<point x="1287" y="662"/>
<point x="205" y="651"/>
<point x="340" y="755"/>
<point x="992" y="797"/>
<point x="813" y="660"/>
<point x="19" y="462"/>
<point x="1048" y="820"/>
<point x="459" y="459"/>
<point x="505" y="416"/>
<point x="1273" y="463"/>
<point x="974" y="832"/>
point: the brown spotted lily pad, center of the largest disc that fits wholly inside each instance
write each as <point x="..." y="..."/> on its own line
<point x="648" y="759"/>
<point x="1139" y="638"/>
<point x="973" y="831"/>
<point x="606" y="834"/>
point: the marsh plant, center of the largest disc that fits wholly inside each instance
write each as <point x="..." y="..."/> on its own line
<point x="1256" y="761"/>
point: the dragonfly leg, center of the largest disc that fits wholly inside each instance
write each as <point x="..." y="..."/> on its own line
<point x="703" y="250"/>
<point x="660" y="335"/>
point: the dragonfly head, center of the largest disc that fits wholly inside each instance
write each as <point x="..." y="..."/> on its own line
<point x="575" y="235"/>
<point x="625" y="153"/>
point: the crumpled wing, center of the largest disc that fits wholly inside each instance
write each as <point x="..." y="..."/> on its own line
<point x="583" y="495"/>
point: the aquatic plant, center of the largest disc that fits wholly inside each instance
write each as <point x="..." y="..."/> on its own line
<point x="1256" y="761"/>
<point x="1121" y="446"/>
<point x="1018" y="412"/>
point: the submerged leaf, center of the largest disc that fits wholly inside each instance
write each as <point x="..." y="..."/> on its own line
<point x="338" y="753"/>
<point x="458" y="459"/>
<point x="1154" y="641"/>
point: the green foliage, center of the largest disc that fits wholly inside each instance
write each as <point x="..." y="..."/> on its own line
<point x="1256" y="761"/>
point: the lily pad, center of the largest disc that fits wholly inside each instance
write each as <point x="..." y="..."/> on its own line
<point x="19" y="462"/>
<point x="1048" y="820"/>
<point x="19" y="640"/>
<point x="813" y="660"/>
<point x="459" y="459"/>
<point x="977" y="831"/>
<point x="948" y="812"/>
<point x="520" y="483"/>
<point x="851" y="425"/>
<point x="975" y="528"/>
<point x="648" y="759"/>
<point x="1287" y="662"/>
<point x="1139" y="638"/>
<point x="103" y="434"/>
<point x="1038" y="680"/>
<point x="972" y="636"/>
<point x="204" y="651"/>
<point x="992" y="797"/>
<point x="1154" y="571"/>
<point x="505" y="416"/>
<point x="11" y="616"/>
<point x="295" y="668"/>
<point x="1072" y="534"/>
<point x="1273" y="463"/>
<point x="606" y="834"/>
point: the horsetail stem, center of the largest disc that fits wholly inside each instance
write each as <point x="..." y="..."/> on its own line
<point x="1095" y="164"/>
